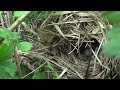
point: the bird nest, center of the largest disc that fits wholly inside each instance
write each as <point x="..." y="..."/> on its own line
<point x="71" y="41"/>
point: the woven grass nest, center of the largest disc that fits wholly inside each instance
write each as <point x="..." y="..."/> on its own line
<point x="72" y="42"/>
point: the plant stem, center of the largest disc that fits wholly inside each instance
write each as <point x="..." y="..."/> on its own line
<point x="18" y="21"/>
<point x="17" y="63"/>
<point x="9" y="15"/>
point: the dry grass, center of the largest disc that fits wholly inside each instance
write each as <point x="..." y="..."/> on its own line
<point x="63" y="38"/>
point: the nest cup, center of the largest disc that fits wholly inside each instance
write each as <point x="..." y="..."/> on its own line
<point x="70" y="39"/>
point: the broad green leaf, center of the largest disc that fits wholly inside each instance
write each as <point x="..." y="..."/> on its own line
<point x="15" y="76"/>
<point x="6" y="52"/>
<point x="24" y="46"/>
<point x="7" y="69"/>
<point x="18" y="13"/>
<point x="39" y="75"/>
<point x="15" y="36"/>
<point x="4" y="33"/>
<point x="4" y="74"/>
<point x="8" y="35"/>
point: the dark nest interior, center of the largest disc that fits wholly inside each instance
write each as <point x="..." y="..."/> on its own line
<point x="71" y="43"/>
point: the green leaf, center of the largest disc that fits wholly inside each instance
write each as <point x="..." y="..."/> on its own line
<point x="5" y="34"/>
<point x="8" y="35"/>
<point x="114" y="33"/>
<point x="15" y="36"/>
<point x="4" y="74"/>
<point x="7" y="69"/>
<point x="25" y="71"/>
<point x="6" y="52"/>
<point x="39" y="75"/>
<point x="24" y="46"/>
<point x="112" y="16"/>
<point x="18" y="13"/>
<point x="112" y="48"/>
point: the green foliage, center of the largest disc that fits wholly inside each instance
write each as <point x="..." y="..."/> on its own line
<point x="112" y="47"/>
<point x="39" y="75"/>
<point x="40" y="14"/>
<point x="6" y="52"/>
<point x="51" y="68"/>
<point x="13" y="36"/>
<point x="112" y="16"/>
<point x="18" y="13"/>
<point x="114" y="33"/>
<point x="26" y="70"/>
<point x="9" y="36"/>
<point x="7" y="69"/>
<point x="8" y="41"/>
<point x="44" y="14"/>
<point x="24" y="46"/>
